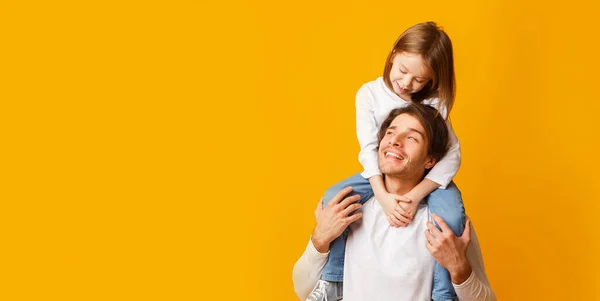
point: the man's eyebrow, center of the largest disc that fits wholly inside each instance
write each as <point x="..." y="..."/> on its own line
<point x="393" y="127"/>
<point x="417" y="131"/>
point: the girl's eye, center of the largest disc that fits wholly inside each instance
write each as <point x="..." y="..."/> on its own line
<point x="412" y="138"/>
<point x="419" y="81"/>
<point x="402" y="71"/>
<point x="388" y="133"/>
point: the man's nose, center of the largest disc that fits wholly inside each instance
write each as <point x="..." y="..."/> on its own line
<point x="397" y="141"/>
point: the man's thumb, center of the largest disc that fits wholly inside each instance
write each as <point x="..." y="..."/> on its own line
<point x="466" y="236"/>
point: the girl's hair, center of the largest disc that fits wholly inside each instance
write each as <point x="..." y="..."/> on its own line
<point x="435" y="47"/>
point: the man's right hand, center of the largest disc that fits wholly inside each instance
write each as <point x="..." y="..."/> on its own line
<point x="334" y="218"/>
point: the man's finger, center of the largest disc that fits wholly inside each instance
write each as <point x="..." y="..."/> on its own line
<point x="467" y="233"/>
<point x="319" y="207"/>
<point x="351" y="209"/>
<point x="441" y="223"/>
<point x="429" y="247"/>
<point x="320" y="204"/>
<point x="354" y="217"/>
<point x="430" y="238"/>
<point x="434" y="230"/>
<point x="349" y="200"/>
<point x="339" y="196"/>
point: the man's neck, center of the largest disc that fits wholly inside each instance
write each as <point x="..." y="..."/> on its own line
<point x="400" y="185"/>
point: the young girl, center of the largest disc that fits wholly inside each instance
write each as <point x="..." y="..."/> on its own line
<point x="420" y="69"/>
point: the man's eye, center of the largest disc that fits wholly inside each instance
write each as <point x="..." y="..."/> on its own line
<point x="412" y="138"/>
<point x="388" y="133"/>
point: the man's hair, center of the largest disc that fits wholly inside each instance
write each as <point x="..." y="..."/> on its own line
<point x="436" y="131"/>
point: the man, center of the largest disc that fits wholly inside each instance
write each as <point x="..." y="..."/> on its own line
<point x="386" y="263"/>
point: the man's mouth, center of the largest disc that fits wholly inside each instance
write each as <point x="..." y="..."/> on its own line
<point x="388" y="154"/>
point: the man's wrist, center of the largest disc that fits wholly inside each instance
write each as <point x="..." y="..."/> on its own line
<point x="461" y="272"/>
<point x="320" y="243"/>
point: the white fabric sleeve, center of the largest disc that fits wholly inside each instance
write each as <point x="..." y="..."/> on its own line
<point x="444" y="170"/>
<point x="307" y="270"/>
<point x="366" y="131"/>
<point x="477" y="286"/>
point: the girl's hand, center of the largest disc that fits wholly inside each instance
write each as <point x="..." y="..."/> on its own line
<point x="406" y="209"/>
<point x="389" y="203"/>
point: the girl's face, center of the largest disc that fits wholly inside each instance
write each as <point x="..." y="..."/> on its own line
<point x="409" y="74"/>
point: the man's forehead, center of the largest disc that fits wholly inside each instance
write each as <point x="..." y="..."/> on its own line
<point x="406" y="120"/>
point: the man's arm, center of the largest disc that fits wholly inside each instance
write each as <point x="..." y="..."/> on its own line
<point x="461" y="256"/>
<point x="331" y="222"/>
<point x="307" y="270"/>
<point x="476" y="286"/>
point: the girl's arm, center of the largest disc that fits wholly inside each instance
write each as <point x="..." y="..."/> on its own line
<point x="367" y="130"/>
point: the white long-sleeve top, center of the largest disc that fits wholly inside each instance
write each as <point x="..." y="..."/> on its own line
<point x="374" y="101"/>
<point x="384" y="263"/>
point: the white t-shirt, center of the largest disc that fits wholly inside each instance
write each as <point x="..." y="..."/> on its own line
<point x="374" y="101"/>
<point x="386" y="263"/>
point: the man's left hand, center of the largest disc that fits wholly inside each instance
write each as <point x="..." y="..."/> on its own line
<point x="450" y="251"/>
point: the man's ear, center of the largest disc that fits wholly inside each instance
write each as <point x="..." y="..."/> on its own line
<point x="430" y="162"/>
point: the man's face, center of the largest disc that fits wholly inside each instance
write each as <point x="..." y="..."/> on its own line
<point x="403" y="149"/>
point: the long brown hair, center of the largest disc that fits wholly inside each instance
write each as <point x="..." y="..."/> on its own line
<point x="433" y="44"/>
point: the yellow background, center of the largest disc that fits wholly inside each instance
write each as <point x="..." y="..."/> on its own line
<point x="176" y="150"/>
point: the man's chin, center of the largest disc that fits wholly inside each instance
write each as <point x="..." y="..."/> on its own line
<point x="387" y="170"/>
